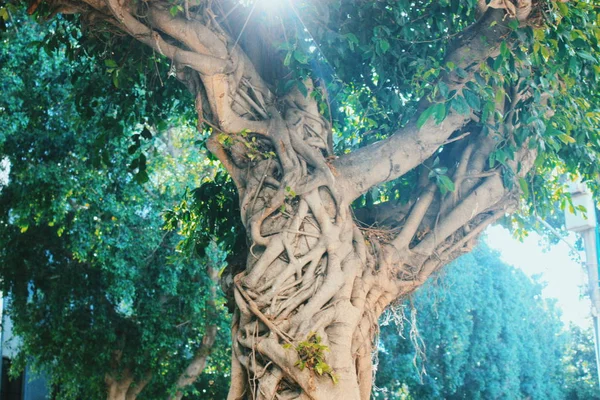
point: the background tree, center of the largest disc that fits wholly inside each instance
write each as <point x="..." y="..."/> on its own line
<point x="580" y="365"/>
<point x="487" y="333"/>
<point x="431" y="118"/>
<point x="102" y="297"/>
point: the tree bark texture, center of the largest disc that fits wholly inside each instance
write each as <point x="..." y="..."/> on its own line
<point x="316" y="268"/>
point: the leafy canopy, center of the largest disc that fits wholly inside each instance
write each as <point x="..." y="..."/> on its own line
<point x="485" y="332"/>
<point x="90" y="269"/>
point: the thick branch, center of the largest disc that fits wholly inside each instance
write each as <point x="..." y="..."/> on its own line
<point x="410" y="146"/>
<point x="415" y="217"/>
<point x="136" y="388"/>
<point x="196" y="366"/>
<point x="482" y="198"/>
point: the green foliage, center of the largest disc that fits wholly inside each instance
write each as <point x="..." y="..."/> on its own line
<point x="83" y="253"/>
<point x="209" y="212"/>
<point x="487" y="334"/>
<point x="580" y="365"/>
<point x="311" y="355"/>
<point x="377" y="60"/>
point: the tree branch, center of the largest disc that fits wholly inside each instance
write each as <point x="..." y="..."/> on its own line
<point x="196" y="366"/>
<point x="136" y="387"/>
<point x="407" y="148"/>
<point x="480" y="199"/>
<point x="415" y="218"/>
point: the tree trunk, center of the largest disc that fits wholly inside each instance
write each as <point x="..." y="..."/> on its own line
<point x="315" y="276"/>
<point x="117" y="391"/>
<point x="317" y="279"/>
<point x="310" y="275"/>
<point x="121" y="384"/>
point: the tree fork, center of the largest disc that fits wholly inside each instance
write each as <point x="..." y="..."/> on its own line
<point x="311" y="269"/>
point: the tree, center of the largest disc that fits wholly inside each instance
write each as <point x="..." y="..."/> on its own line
<point x="580" y="365"/>
<point x="370" y="143"/>
<point x="487" y="333"/>
<point x="103" y="298"/>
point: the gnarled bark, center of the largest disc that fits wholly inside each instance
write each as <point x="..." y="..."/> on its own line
<point x="312" y="267"/>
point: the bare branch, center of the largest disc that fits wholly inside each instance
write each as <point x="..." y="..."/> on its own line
<point x="414" y="218"/>
<point x="480" y="199"/>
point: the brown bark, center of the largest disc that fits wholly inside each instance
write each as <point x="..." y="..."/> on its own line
<point x="312" y="268"/>
<point x="122" y="386"/>
<point x="196" y="366"/>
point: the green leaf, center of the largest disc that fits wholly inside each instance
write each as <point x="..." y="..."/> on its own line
<point x="302" y="88"/>
<point x="351" y="37"/>
<point x="142" y="177"/>
<point x="425" y="116"/>
<point x="384" y="45"/>
<point x="319" y="369"/>
<point x="472" y="99"/>
<point x="504" y="50"/>
<point x="461" y="73"/>
<point x="443" y="88"/>
<point x="352" y="40"/>
<point x="445" y="184"/>
<point x="334" y="378"/>
<point x="562" y="8"/>
<point x="492" y="159"/>
<point x="300" y="57"/>
<point x="566" y="139"/>
<point x="439" y="112"/>
<point x="508" y="177"/>
<point x="287" y="59"/>
<point x="498" y="62"/>
<point x="460" y="105"/>
<point x="146" y="134"/>
<point x="524" y="186"/>
<point x="587" y="56"/>
<point x="115" y="78"/>
<point x="110" y="63"/>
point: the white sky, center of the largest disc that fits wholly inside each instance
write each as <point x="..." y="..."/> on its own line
<point x="564" y="275"/>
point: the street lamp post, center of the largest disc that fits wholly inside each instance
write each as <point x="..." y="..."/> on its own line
<point x="586" y="226"/>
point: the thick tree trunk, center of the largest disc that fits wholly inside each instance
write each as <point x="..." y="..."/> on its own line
<point x="117" y="391"/>
<point x="314" y="272"/>
<point x="316" y="280"/>
<point x="315" y="276"/>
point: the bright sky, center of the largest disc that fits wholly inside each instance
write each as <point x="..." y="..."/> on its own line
<point x="564" y="274"/>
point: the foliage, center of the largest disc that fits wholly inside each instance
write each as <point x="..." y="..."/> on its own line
<point x="397" y="50"/>
<point x="90" y="270"/>
<point x="378" y="68"/>
<point x="375" y="62"/>
<point x="487" y="334"/>
<point x="311" y="355"/>
<point x="580" y="365"/>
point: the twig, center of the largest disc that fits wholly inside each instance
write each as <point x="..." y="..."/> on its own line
<point x="456" y="138"/>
